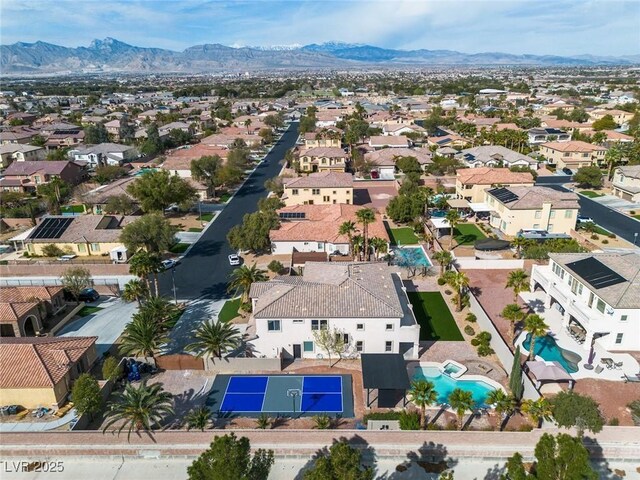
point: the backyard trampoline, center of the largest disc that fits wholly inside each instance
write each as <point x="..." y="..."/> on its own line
<point x="281" y="395"/>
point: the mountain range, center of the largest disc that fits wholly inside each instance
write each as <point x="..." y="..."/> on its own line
<point x="112" y="56"/>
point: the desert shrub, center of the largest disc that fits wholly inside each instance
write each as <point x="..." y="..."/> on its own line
<point x="469" y="330"/>
<point x="448" y="292"/>
<point x="381" y="416"/>
<point x="409" y="420"/>
<point x="605" y="241"/>
<point x="475" y="342"/>
<point x="275" y="266"/>
<point x="485" y="350"/>
<point x="614" y="422"/>
<point x="52" y="250"/>
<point x="471" y="317"/>
<point x="611" y="235"/>
<point x="594" y="237"/>
<point x="441" y="281"/>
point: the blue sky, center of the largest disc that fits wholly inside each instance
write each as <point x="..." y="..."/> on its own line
<point x="561" y="27"/>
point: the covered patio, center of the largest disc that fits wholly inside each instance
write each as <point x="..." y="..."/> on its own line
<point x="385" y="374"/>
<point x="549" y="372"/>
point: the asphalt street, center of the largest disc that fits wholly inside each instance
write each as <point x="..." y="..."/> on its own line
<point x="204" y="271"/>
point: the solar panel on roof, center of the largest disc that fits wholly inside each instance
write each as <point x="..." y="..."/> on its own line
<point x="596" y="273"/>
<point x="52" y="228"/>
<point x="292" y="215"/>
<point x="504" y="195"/>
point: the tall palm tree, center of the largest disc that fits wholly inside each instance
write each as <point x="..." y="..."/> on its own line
<point x="214" y="338"/>
<point x="144" y="264"/>
<point x="366" y="216"/>
<point x="461" y="401"/>
<point x="443" y="258"/>
<point x="379" y="246"/>
<point x="518" y="243"/>
<point x="139" y="408"/>
<point x="247" y="123"/>
<point x="513" y="312"/>
<point x="459" y="281"/>
<point x="358" y="242"/>
<point x="143" y="336"/>
<point x="348" y="228"/>
<point x="423" y="395"/>
<point x="612" y="158"/>
<point x="537" y="410"/>
<point x="536" y="326"/>
<point x="518" y="281"/>
<point x="161" y="310"/>
<point x="503" y="404"/>
<point x="135" y="290"/>
<point x="453" y="217"/>
<point x="243" y="277"/>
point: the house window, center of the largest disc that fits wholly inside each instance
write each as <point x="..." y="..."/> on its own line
<point x="388" y="346"/>
<point x="600" y="306"/>
<point x="326" y="198"/>
<point x="348" y="201"/>
<point x="389" y="326"/>
<point x="359" y="326"/>
<point x="345" y="337"/>
<point x="82" y="248"/>
<point x="619" y="338"/>
<point x="307" y="346"/>
<point x="536" y="226"/>
<point x="319" y="325"/>
<point x="552" y="214"/>
<point x="538" y="214"/>
<point x="315" y="191"/>
<point x="320" y="246"/>
<point x="624" y="318"/>
<point x="298" y="320"/>
<point x="360" y="346"/>
<point x="273" y="325"/>
<point x="591" y="297"/>
<point x="294" y="191"/>
<point x="95" y="247"/>
<point x="568" y="213"/>
<point x="550" y="227"/>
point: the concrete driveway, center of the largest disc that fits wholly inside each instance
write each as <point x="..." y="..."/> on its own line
<point x="616" y="203"/>
<point x="107" y="324"/>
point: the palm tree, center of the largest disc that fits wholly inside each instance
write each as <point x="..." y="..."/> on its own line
<point x="459" y="281"/>
<point x="503" y="404"/>
<point x="536" y="327"/>
<point x="214" y="338"/>
<point x="348" y="228"/>
<point x="357" y="242"/>
<point x="141" y="265"/>
<point x="322" y="422"/>
<point x="612" y="158"/>
<point x="423" y="395"/>
<point x="135" y="290"/>
<point x="247" y="123"/>
<point x="366" y="216"/>
<point x="513" y="312"/>
<point x="160" y="309"/>
<point x="143" y="336"/>
<point x="461" y="401"/>
<point x="263" y="421"/>
<point x="427" y="238"/>
<point x="379" y="246"/>
<point x="453" y="217"/>
<point x="518" y="281"/>
<point x="443" y="258"/>
<point x="518" y="243"/>
<point x="198" y="418"/>
<point x="139" y="408"/>
<point x="243" y="277"/>
<point x="537" y="410"/>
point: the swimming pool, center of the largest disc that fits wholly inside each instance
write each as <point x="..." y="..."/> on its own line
<point x="410" y="257"/>
<point x="444" y="384"/>
<point x="438" y="213"/>
<point x="144" y="170"/>
<point x="547" y="348"/>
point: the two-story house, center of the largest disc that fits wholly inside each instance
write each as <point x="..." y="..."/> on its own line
<point x="104" y="154"/>
<point x="514" y="209"/>
<point x="17" y="152"/>
<point x="598" y="292"/>
<point x="573" y="155"/>
<point x="26" y="176"/>
<point x="322" y="188"/>
<point x="384" y="161"/>
<point x="538" y="136"/>
<point x="323" y="159"/>
<point x="472" y="183"/>
<point x="366" y="303"/>
<point x="626" y="183"/>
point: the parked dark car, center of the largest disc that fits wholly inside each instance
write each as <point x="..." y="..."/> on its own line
<point x="88" y="295"/>
<point x="567" y="171"/>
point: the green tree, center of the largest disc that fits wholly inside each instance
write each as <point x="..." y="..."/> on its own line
<point x="330" y="341"/>
<point x="379" y="245"/>
<point x="503" y="404"/>
<point x="518" y="243"/>
<point x="86" y="395"/>
<point x="121" y="204"/>
<point x="408" y="164"/>
<point x="111" y="369"/>
<point x="459" y="281"/>
<point x="423" y="395"/>
<point x="55" y="193"/>
<point x="135" y="290"/>
<point x="341" y="462"/>
<point x="139" y="408"/>
<point x="571" y="409"/>
<point x="461" y="401"/>
<point x="151" y="232"/>
<point x="537" y="410"/>
<point x="153" y="144"/>
<point x="198" y="418"/>
<point x="52" y="250"/>
<point x="513" y="312"/>
<point x="405" y="208"/>
<point x="263" y="421"/>
<point x="453" y="217"/>
<point x="605" y="123"/>
<point x="214" y="338"/>
<point x="442" y="258"/>
<point x="536" y="327"/>
<point x="518" y="281"/>
<point x="588" y="177"/>
<point x="143" y="336"/>
<point x="612" y="158"/>
<point x="515" y="378"/>
<point x="243" y="277"/>
<point x="366" y="216"/>
<point x="206" y="170"/>
<point x="229" y="458"/>
<point x="253" y="233"/>
<point x="157" y="190"/>
<point x="348" y="228"/>
<point x="322" y="421"/>
<point x="161" y="310"/>
<point x="95" y="134"/>
<point x="108" y="173"/>
<point x="76" y="279"/>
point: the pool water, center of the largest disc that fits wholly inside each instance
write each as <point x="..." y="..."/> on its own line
<point x="438" y="213"/>
<point x="411" y="256"/>
<point x="451" y="369"/>
<point x="547" y="348"/>
<point x="444" y="384"/>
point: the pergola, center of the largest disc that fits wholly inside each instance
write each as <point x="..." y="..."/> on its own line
<point x="386" y="373"/>
<point x="549" y="372"/>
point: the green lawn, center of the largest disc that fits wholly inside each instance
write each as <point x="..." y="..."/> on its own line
<point x="225" y="197"/>
<point x="467" y="234"/>
<point x="403" y="236"/>
<point x="591" y="194"/>
<point x="434" y="317"/>
<point x="72" y="209"/>
<point x="84" y="311"/>
<point x="637" y="217"/>
<point x="206" y="217"/>
<point x="229" y="310"/>
<point x="195" y="229"/>
<point x="179" y="247"/>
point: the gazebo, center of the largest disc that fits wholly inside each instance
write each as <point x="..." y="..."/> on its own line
<point x="387" y="374"/>
<point x="549" y="372"/>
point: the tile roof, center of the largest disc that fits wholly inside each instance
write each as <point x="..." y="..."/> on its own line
<point x="382" y="140"/>
<point x="627" y="265"/>
<point x="387" y="156"/>
<point x="10" y="312"/>
<point x="632" y="171"/>
<point x="573" y="146"/>
<point x="332" y="290"/>
<point x="333" y="152"/>
<point x="30" y="167"/>
<point x="39" y="362"/>
<point x="534" y="197"/>
<point x="84" y="228"/>
<point x="321" y="180"/>
<point x="27" y="293"/>
<point x="492" y="176"/>
<point x="118" y="187"/>
<point x="489" y="153"/>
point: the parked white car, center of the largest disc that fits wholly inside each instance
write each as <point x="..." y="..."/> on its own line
<point x="234" y="259"/>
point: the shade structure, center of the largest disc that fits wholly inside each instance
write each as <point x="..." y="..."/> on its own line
<point x="549" y="372"/>
<point x="458" y="203"/>
<point x="488" y="244"/>
<point x="387" y="374"/>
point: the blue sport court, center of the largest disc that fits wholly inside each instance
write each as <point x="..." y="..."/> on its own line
<point x="282" y="395"/>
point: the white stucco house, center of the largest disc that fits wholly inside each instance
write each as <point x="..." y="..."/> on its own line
<point x="104" y="154"/>
<point x="366" y="303"/>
